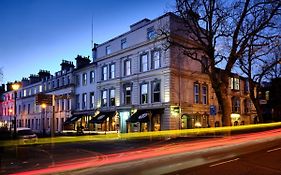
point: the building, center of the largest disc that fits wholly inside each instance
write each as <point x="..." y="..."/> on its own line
<point x="135" y="83"/>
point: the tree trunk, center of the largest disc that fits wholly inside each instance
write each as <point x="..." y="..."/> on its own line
<point x="256" y="103"/>
<point x="220" y="86"/>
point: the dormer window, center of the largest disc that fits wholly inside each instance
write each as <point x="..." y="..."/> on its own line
<point x="151" y="33"/>
<point x="108" y="50"/>
<point x="124" y="43"/>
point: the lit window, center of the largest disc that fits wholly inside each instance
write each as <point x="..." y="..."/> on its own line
<point x="196" y="93"/>
<point x="84" y="79"/>
<point x="144" y="63"/>
<point x="104" y="73"/>
<point x="235" y="83"/>
<point x="24" y="92"/>
<point x="108" y="50"/>
<point x="84" y="101"/>
<point x="104" y="98"/>
<point x="123" y="43"/>
<point x="112" y="97"/>
<point x="144" y="93"/>
<point x="155" y="59"/>
<point x="156" y="91"/>
<point x="127" y="67"/>
<point x="127" y="94"/>
<point x="112" y="71"/>
<point x="92" y="100"/>
<point x="92" y="76"/>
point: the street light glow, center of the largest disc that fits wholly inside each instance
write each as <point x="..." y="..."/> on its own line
<point x="15" y="86"/>
<point x="43" y="105"/>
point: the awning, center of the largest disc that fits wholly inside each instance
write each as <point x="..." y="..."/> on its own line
<point x="73" y="119"/>
<point x="102" y="116"/>
<point x="143" y="115"/>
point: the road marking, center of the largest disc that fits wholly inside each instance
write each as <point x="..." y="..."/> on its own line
<point x="232" y="160"/>
<point x="273" y="150"/>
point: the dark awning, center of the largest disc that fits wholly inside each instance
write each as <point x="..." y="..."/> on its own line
<point x="73" y="119"/>
<point x="102" y="116"/>
<point x="142" y="115"/>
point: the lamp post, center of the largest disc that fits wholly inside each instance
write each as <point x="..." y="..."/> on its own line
<point x="43" y="106"/>
<point x="10" y="114"/>
<point x="15" y="87"/>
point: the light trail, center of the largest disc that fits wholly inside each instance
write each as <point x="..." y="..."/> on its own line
<point x="151" y="152"/>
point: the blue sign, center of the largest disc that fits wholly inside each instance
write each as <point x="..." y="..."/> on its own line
<point x="213" y="110"/>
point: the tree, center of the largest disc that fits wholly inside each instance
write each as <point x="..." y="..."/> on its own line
<point x="260" y="63"/>
<point x="221" y="31"/>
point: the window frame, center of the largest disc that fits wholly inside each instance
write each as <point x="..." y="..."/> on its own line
<point x="153" y="92"/>
<point x="104" y="73"/>
<point x="112" y="103"/>
<point x="127" y="73"/>
<point x="108" y="50"/>
<point x="126" y="95"/>
<point x="196" y="94"/>
<point x="112" y="71"/>
<point x="141" y="62"/>
<point x="153" y="60"/>
<point x="104" y="98"/>
<point x="145" y="94"/>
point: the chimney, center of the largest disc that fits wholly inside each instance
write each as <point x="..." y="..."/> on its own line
<point x="82" y="61"/>
<point x="94" y="51"/>
<point x="43" y="74"/>
<point x="33" y="78"/>
<point x="66" y="65"/>
<point x="25" y="81"/>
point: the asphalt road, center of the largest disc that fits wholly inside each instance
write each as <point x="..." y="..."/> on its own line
<point x="254" y="153"/>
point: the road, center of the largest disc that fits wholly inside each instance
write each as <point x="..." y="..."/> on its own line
<point x="254" y="153"/>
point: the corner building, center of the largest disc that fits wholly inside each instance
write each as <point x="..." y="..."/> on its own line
<point x="142" y="85"/>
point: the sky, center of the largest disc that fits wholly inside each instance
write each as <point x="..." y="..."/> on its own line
<point x="38" y="34"/>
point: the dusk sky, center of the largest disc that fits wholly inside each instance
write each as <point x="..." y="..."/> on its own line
<point x="38" y="34"/>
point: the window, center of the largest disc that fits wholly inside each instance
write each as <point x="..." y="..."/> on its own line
<point x="62" y="105"/>
<point x="144" y="93"/>
<point x="68" y="104"/>
<point x="204" y="94"/>
<point x="84" y="100"/>
<point x="112" y="71"/>
<point x="151" y="33"/>
<point x="28" y="109"/>
<point x="84" y="79"/>
<point x="92" y="100"/>
<point x="196" y="93"/>
<point x="92" y="77"/>
<point x="235" y="83"/>
<point x="156" y="91"/>
<point x="57" y="105"/>
<point x="107" y="50"/>
<point x="235" y="104"/>
<point x="68" y="79"/>
<point x="58" y="83"/>
<point x="77" y="80"/>
<point x="112" y="97"/>
<point x="104" y="73"/>
<point x="53" y="84"/>
<point x="40" y="88"/>
<point x="77" y="101"/>
<point x="127" y="94"/>
<point x="247" y="106"/>
<point x="24" y="92"/>
<point x="127" y="67"/>
<point x="123" y="43"/>
<point x="247" y="87"/>
<point x="104" y="98"/>
<point x="267" y="95"/>
<point x="144" y="63"/>
<point x="155" y="60"/>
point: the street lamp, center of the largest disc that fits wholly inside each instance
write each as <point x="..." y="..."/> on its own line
<point x="43" y="106"/>
<point x="10" y="114"/>
<point x="15" y="87"/>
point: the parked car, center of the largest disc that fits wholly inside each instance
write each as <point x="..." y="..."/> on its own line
<point x="26" y="135"/>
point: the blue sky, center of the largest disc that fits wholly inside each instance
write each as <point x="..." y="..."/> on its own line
<point x="38" y="34"/>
